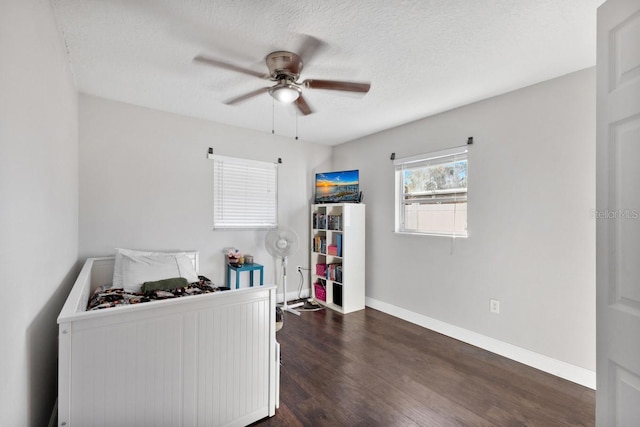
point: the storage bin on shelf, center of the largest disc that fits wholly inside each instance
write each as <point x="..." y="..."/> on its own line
<point x="321" y="270"/>
<point x="321" y="292"/>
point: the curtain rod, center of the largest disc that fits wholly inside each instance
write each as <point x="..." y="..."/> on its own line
<point x="469" y="142"/>
<point x="210" y="156"/>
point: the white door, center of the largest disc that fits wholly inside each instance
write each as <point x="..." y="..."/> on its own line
<point x="618" y="214"/>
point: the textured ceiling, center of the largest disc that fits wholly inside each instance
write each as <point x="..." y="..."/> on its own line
<point x="421" y="57"/>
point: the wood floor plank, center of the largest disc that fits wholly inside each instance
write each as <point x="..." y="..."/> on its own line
<point x="368" y="368"/>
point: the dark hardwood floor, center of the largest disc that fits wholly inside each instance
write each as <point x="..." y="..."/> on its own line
<point x="371" y="369"/>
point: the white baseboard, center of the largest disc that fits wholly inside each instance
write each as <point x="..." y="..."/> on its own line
<point x="544" y="363"/>
<point x="293" y="295"/>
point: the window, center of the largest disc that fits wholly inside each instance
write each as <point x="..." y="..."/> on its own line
<point x="244" y="193"/>
<point x="431" y="193"/>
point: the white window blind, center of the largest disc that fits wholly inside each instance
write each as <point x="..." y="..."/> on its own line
<point x="245" y="193"/>
<point x="431" y="193"/>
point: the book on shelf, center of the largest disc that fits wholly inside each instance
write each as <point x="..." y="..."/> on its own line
<point x="334" y="222"/>
<point x="319" y="221"/>
<point x="320" y="244"/>
<point x="334" y="272"/>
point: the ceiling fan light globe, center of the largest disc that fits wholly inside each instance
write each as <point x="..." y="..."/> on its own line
<point x="285" y="93"/>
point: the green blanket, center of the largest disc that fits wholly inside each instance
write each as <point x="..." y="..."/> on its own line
<point x="165" y="284"/>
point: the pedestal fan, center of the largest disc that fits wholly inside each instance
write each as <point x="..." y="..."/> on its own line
<point x="280" y="243"/>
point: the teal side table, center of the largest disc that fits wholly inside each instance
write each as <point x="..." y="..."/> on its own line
<point x="245" y="267"/>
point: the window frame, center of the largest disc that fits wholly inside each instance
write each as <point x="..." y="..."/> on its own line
<point x="240" y="186"/>
<point x="433" y="158"/>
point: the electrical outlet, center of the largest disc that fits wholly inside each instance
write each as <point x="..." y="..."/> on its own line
<point x="299" y="269"/>
<point x="494" y="306"/>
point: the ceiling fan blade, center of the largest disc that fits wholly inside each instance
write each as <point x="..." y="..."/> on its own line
<point x="226" y="66"/>
<point x="246" y="96"/>
<point x="309" y="47"/>
<point x="302" y="105"/>
<point x="337" y="85"/>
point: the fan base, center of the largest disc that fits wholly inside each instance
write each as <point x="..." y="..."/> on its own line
<point x="290" y="308"/>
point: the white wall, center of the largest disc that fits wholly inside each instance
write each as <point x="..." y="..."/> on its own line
<point x="38" y="206"/>
<point x="531" y="241"/>
<point x="146" y="183"/>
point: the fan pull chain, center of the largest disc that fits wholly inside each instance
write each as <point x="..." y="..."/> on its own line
<point x="273" y="116"/>
<point x="296" y="124"/>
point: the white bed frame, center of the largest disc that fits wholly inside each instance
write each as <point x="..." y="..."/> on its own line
<point x="205" y="360"/>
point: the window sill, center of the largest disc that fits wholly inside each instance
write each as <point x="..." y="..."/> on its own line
<point x="417" y="233"/>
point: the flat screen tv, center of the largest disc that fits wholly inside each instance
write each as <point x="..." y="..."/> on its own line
<point x="338" y="187"/>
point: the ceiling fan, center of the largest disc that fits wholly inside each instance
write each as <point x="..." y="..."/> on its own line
<point x="284" y="69"/>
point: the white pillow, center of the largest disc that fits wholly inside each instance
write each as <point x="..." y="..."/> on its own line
<point x="133" y="268"/>
<point x="117" y="267"/>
